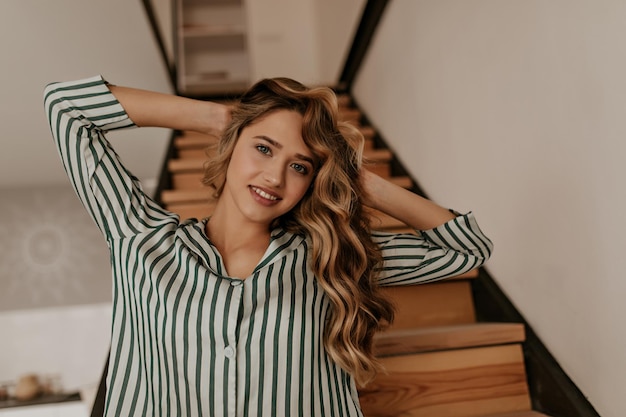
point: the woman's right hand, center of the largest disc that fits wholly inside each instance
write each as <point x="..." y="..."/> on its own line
<point x="218" y="118"/>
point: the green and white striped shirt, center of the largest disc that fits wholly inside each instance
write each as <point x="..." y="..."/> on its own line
<point x="187" y="340"/>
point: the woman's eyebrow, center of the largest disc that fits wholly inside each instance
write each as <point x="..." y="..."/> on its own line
<point x="280" y="146"/>
<point x="270" y="140"/>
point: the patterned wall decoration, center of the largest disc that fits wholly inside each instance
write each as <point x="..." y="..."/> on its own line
<point x="51" y="252"/>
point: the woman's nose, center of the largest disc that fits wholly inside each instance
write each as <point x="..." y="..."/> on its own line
<point x="274" y="175"/>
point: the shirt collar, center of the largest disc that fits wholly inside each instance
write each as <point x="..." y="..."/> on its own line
<point x="281" y="244"/>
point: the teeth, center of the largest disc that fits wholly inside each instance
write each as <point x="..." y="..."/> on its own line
<point x="264" y="194"/>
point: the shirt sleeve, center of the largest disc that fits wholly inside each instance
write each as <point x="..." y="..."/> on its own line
<point x="80" y="113"/>
<point x="450" y="249"/>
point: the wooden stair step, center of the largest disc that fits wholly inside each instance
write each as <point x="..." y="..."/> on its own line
<point x="183" y="196"/>
<point x="368" y="133"/>
<point x="196" y="153"/>
<point x="194" y="140"/>
<point x="344" y="100"/>
<point x="442" y="303"/>
<point x="192" y="210"/>
<point x="398" y="342"/>
<point x="378" y="155"/>
<point x="186" y="165"/>
<point x="471" y="382"/>
<point x="348" y="114"/>
<point x="187" y="181"/>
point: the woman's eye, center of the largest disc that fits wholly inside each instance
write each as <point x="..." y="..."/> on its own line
<point x="300" y="169"/>
<point x="263" y="149"/>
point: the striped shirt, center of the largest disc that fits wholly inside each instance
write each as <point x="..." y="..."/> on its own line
<point x="188" y="340"/>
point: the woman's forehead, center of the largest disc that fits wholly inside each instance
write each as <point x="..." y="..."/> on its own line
<point x="282" y="129"/>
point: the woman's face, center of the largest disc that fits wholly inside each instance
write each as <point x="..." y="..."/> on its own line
<point x="271" y="168"/>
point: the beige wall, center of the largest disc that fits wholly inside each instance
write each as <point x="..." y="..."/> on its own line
<point x="163" y="12"/>
<point x="515" y="109"/>
<point x="70" y="344"/>
<point x="43" y="41"/>
<point x="52" y="254"/>
<point x="336" y="23"/>
<point x="302" y="39"/>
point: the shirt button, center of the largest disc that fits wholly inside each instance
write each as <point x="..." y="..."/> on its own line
<point x="235" y="282"/>
<point x="229" y="351"/>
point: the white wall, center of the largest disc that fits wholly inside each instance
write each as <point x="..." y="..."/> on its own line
<point x="44" y="41"/>
<point x="515" y="109"/>
<point x="336" y="24"/>
<point x="69" y="343"/>
<point x="303" y="39"/>
<point x="163" y="12"/>
<point x="282" y="39"/>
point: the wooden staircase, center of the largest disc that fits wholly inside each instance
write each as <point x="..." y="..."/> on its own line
<point x="440" y="361"/>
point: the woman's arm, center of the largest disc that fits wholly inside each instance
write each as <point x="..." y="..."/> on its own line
<point x="447" y="244"/>
<point x="410" y="208"/>
<point x="80" y="114"/>
<point x="148" y="108"/>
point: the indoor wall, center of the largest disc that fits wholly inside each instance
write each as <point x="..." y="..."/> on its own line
<point x="515" y="110"/>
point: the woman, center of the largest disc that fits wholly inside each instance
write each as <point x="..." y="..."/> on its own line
<point x="268" y="307"/>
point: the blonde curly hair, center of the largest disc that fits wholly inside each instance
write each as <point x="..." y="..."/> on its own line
<point x="331" y="215"/>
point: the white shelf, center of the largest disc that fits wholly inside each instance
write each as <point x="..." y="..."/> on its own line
<point x="212" y="55"/>
<point x="69" y="409"/>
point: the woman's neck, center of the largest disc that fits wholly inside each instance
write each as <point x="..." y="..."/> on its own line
<point x="241" y="244"/>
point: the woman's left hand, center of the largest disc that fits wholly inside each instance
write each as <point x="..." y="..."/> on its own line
<point x="404" y="205"/>
<point x="374" y="187"/>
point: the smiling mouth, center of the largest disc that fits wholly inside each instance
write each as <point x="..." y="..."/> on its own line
<point x="265" y="195"/>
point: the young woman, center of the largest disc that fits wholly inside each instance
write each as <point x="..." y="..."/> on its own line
<point x="269" y="306"/>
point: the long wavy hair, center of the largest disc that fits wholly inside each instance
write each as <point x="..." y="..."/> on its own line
<point x="331" y="214"/>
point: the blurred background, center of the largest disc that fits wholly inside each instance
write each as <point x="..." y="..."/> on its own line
<point x="513" y="109"/>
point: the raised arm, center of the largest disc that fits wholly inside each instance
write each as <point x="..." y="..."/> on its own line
<point x="82" y="112"/>
<point x="153" y="109"/>
<point x="447" y="244"/>
<point x="412" y="209"/>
